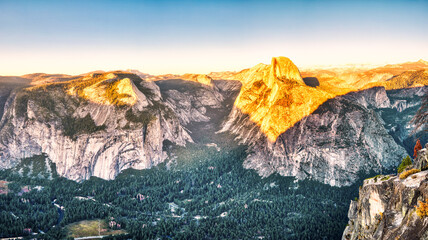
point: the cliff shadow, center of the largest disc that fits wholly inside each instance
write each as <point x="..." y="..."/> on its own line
<point x="311" y="81"/>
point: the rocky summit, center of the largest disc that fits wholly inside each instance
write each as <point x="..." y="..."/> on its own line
<point x="96" y="125"/>
<point x="324" y="133"/>
<point x="268" y="152"/>
<point x="99" y="124"/>
<point x="275" y="97"/>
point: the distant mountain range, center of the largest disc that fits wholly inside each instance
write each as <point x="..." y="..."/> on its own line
<point x="328" y="125"/>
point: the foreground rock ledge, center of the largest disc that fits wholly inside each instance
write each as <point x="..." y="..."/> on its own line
<point x="386" y="209"/>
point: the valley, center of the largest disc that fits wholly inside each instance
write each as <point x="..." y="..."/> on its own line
<point x="267" y="152"/>
<point x="202" y="193"/>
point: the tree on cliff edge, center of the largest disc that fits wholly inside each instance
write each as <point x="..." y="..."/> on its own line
<point x="418" y="147"/>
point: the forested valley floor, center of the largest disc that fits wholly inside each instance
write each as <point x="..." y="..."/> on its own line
<point x="199" y="193"/>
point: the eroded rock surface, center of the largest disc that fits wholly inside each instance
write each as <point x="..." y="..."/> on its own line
<point x="386" y="209"/>
<point x="120" y="124"/>
<point x="297" y="130"/>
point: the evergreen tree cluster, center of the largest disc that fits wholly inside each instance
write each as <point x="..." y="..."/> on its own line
<point x="203" y="194"/>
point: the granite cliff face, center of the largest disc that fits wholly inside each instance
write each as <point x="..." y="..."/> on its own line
<point x="274" y="97"/>
<point x="191" y="100"/>
<point x="101" y="123"/>
<point x="310" y="132"/>
<point x="332" y="145"/>
<point x="387" y="208"/>
<point x="94" y="126"/>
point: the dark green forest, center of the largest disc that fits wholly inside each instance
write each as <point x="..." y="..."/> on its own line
<point x="201" y="194"/>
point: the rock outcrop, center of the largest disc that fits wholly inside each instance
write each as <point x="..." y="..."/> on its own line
<point x="333" y="145"/>
<point x="309" y="132"/>
<point x="94" y="126"/>
<point x="387" y="208"/>
<point x="421" y="161"/>
<point x="191" y="101"/>
<point x="275" y="97"/>
<point x="100" y="123"/>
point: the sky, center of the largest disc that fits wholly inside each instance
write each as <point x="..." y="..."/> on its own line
<point x="160" y="37"/>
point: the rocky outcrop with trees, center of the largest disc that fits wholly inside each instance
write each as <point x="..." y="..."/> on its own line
<point x="392" y="206"/>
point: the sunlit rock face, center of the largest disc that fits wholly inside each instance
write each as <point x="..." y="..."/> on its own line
<point x="356" y="78"/>
<point x="332" y="145"/>
<point x="318" y="128"/>
<point x="275" y="97"/>
<point x="310" y="132"/>
<point x="407" y="79"/>
<point x="200" y="78"/>
<point x="123" y="120"/>
<point x="128" y="118"/>
<point x="284" y="70"/>
<point x="110" y="89"/>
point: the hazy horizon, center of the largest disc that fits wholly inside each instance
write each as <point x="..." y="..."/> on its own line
<point x="307" y="68"/>
<point x="161" y="37"/>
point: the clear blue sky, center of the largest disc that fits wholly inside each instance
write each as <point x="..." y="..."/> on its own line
<point x="202" y="36"/>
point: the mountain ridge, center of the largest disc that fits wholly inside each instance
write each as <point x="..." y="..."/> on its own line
<point x="266" y="107"/>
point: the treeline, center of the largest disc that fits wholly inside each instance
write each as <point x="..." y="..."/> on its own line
<point x="204" y="194"/>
